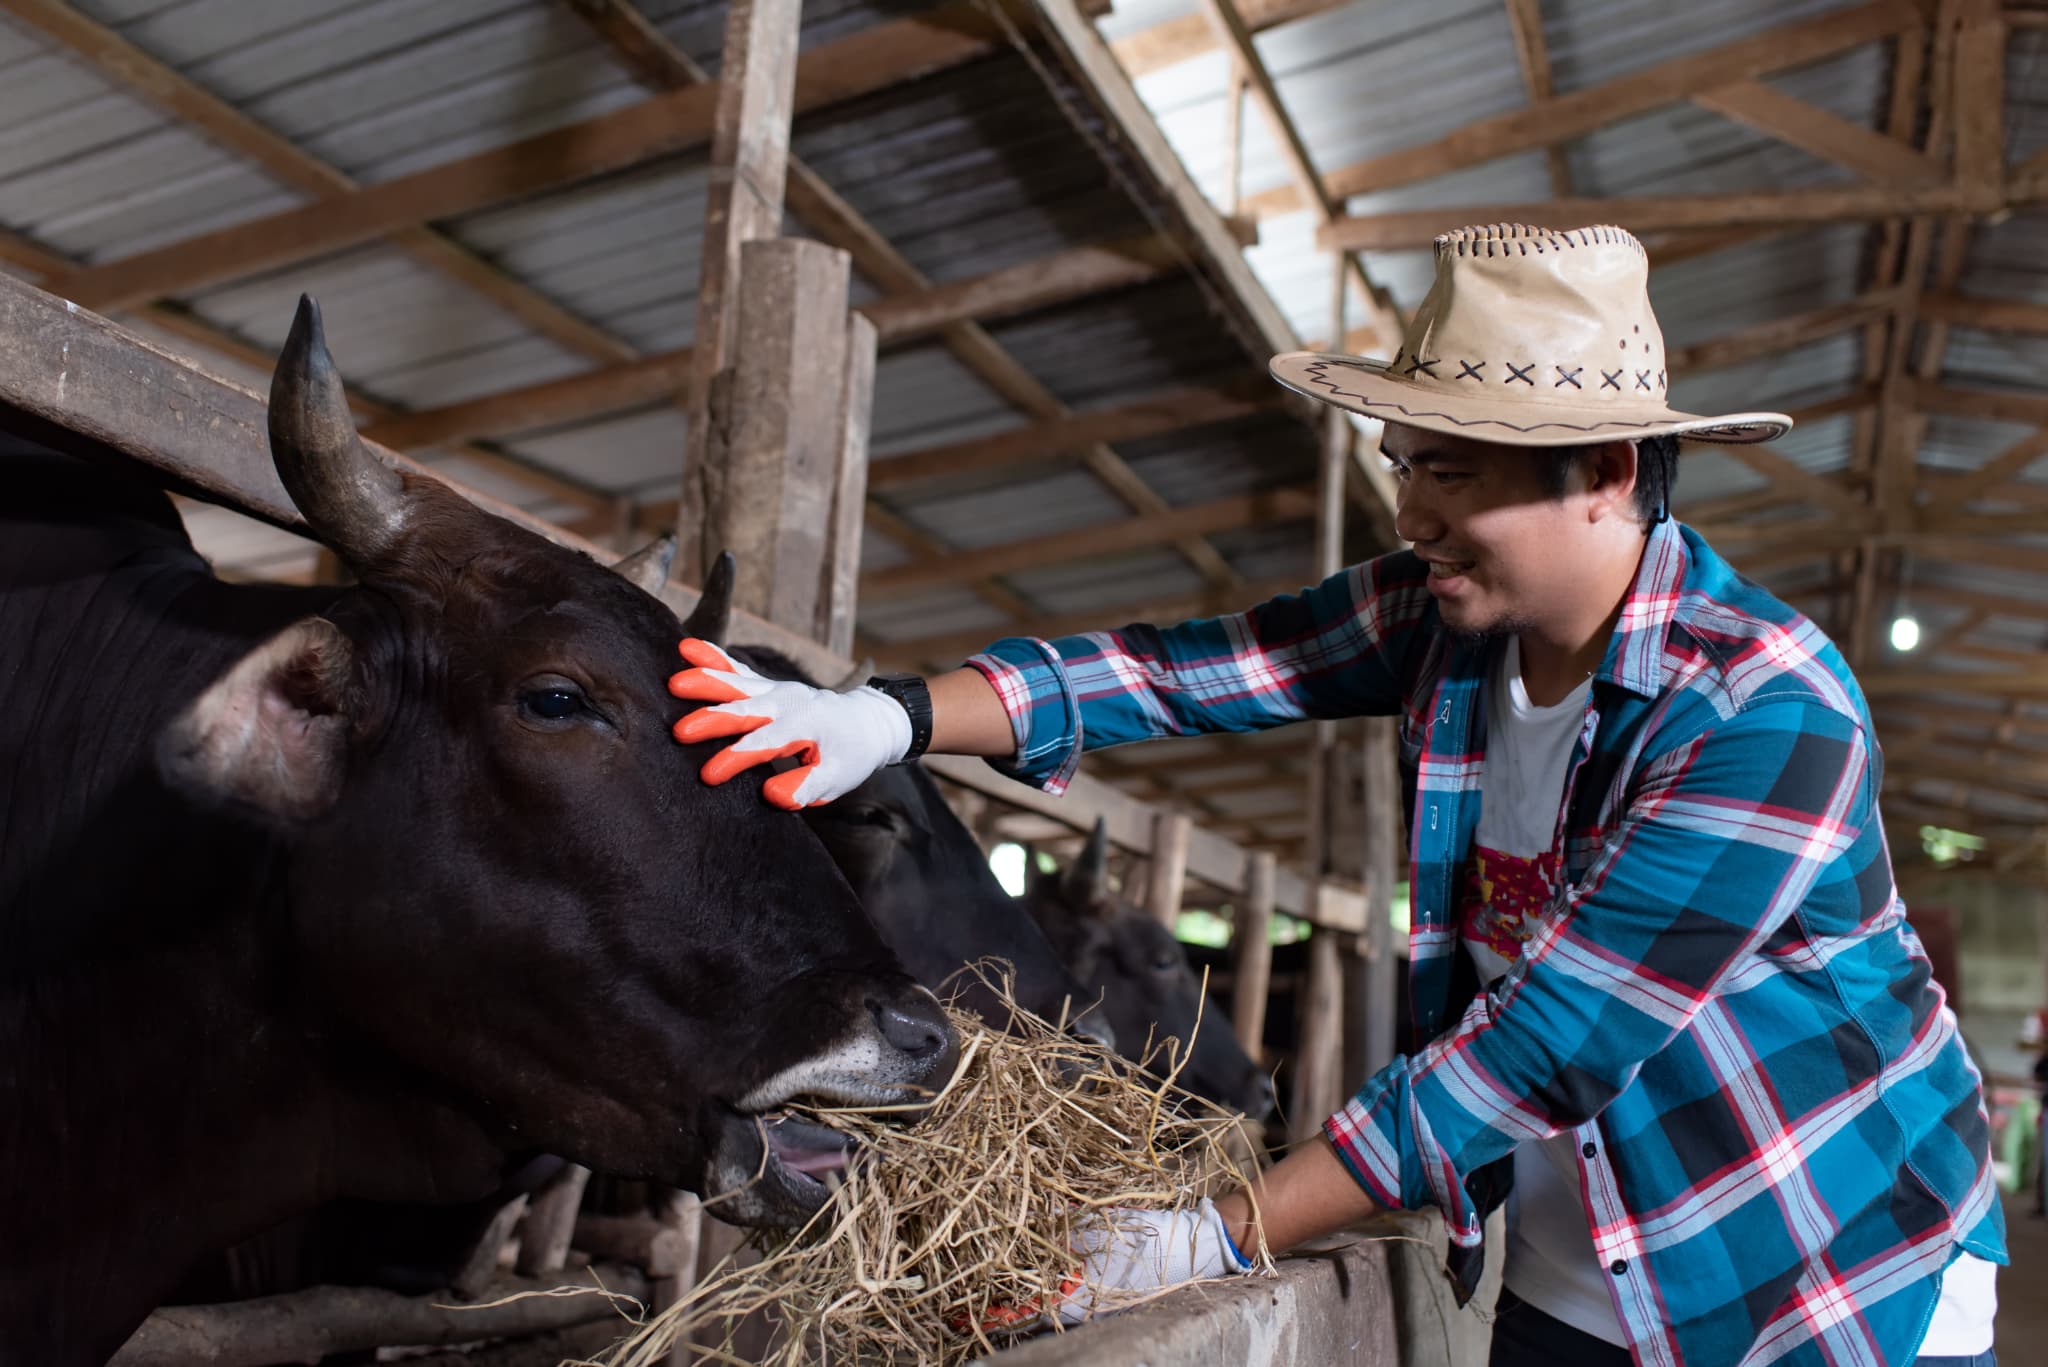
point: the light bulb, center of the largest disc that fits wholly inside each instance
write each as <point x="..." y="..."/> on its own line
<point x="1905" y="633"/>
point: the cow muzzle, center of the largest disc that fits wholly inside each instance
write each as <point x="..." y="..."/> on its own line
<point x="774" y="1168"/>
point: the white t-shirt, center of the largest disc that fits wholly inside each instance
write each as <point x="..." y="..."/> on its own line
<point x="1509" y="884"/>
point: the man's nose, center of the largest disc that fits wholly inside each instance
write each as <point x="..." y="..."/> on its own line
<point x="1415" y="519"/>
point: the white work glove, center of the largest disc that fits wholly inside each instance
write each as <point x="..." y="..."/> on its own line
<point x="842" y="738"/>
<point x="1126" y="1254"/>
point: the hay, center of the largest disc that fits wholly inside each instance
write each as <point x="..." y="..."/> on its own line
<point x="973" y="1207"/>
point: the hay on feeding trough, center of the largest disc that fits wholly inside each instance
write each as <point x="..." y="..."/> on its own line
<point x="971" y="1209"/>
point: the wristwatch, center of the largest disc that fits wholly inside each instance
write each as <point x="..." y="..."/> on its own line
<point x="910" y="693"/>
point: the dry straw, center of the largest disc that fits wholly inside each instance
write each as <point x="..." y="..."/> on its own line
<point x="973" y="1208"/>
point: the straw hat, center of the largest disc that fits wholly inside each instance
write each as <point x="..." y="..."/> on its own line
<point x="1529" y="337"/>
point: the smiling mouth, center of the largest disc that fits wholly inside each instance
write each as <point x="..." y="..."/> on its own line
<point x="1449" y="569"/>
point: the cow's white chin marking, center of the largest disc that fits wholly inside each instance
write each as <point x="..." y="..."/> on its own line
<point x="860" y="1071"/>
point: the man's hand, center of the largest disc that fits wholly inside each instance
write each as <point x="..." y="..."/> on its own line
<point x="1125" y="1254"/>
<point x="841" y="738"/>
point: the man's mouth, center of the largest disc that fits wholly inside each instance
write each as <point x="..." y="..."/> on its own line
<point x="1449" y="569"/>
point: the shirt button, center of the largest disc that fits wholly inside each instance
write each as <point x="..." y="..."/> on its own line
<point x="1589" y="1150"/>
<point x="1618" y="1266"/>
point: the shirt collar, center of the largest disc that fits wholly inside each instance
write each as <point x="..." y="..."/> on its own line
<point x="1635" y="652"/>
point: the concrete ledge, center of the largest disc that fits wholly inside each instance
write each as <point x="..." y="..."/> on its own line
<point x="1332" y="1306"/>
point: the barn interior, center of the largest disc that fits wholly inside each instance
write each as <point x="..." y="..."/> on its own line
<point x="1078" y="229"/>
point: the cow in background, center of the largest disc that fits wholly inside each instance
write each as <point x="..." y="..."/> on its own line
<point x="324" y="893"/>
<point x="1141" y="974"/>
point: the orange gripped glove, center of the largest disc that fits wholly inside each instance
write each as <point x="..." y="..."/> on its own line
<point x="841" y="738"/>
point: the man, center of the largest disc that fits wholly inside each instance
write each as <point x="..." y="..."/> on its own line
<point x="1676" y="1018"/>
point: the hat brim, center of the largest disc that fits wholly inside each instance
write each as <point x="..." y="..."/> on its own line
<point x="1370" y="388"/>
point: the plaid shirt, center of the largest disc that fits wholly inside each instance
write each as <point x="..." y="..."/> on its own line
<point x="1783" y="1140"/>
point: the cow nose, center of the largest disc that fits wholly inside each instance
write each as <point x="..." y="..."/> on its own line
<point x="913" y="1029"/>
<point x="1263" y="1097"/>
<point x="1093" y="1027"/>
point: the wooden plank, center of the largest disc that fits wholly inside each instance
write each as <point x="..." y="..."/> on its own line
<point x="1251" y="955"/>
<point x="772" y="468"/>
<point x="1128" y="534"/>
<point x="1800" y="485"/>
<point x="868" y="61"/>
<point x="1873" y="155"/>
<point x="1980" y="97"/>
<point x="1177" y="40"/>
<point x="1994" y="405"/>
<point x="135" y="70"/>
<point x="1071" y="274"/>
<point x="551" y="1223"/>
<point x="1380" y="752"/>
<point x="1057" y="278"/>
<point x="1157" y="414"/>
<point x="1558" y="120"/>
<point x="840" y="603"/>
<point x="1525" y="21"/>
<point x="1784" y="334"/>
<point x="1985" y="313"/>
<point x="953" y="646"/>
<point x="1852" y="204"/>
<point x="742" y="204"/>
<point x="1987" y="478"/>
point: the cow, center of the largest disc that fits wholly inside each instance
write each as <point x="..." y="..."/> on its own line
<point x="1141" y="974"/>
<point x="364" y="892"/>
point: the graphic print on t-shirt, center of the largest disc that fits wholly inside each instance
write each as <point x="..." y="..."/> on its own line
<point x="1503" y="899"/>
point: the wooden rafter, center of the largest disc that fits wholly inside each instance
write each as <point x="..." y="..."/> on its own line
<point x="868" y="61"/>
<point x="1875" y="156"/>
<point x="1525" y="20"/>
<point x="1564" y="117"/>
<point x="1177" y="40"/>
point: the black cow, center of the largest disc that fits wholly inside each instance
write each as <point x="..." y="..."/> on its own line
<point x="325" y="893"/>
<point x="1142" y="976"/>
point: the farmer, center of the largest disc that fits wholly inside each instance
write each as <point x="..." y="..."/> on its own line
<point x="1675" y="1017"/>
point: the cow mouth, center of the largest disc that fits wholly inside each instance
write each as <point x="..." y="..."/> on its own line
<point x="805" y="1152"/>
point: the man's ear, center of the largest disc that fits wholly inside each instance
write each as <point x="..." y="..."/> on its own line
<point x="1611" y="470"/>
<point x="270" y="736"/>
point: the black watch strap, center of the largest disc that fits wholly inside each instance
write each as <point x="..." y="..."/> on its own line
<point x="916" y="700"/>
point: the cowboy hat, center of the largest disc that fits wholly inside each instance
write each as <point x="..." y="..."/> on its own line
<point x="1529" y="337"/>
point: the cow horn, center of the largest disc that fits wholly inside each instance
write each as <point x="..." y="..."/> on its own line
<point x="353" y="502"/>
<point x="1088" y="879"/>
<point x="711" y="619"/>
<point x="647" y="568"/>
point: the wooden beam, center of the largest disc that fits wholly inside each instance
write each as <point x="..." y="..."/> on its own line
<point x="1525" y="21"/>
<point x="1984" y="313"/>
<point x="1853" y="204"/>
<point x="140" y="73"/>
<point x="871" y="60"/>
<point x="1127" y="534"/>
<point x="1980" y="97"/>
<point x="1173" y="410"/>
<point x="1987" y="479"/>
<point x="1991" y="405"/>
<point x="1800" y="485"/>
<point x="1251" y="955"/>
<point x="1583" y="111"/>
<point x="1167" y="880"/>
<point x="1870" y="154"/>
<point x="1063" y="276"/>
<point x="1784" y="334"/>
<point x="1178" y="40"/>
<point x="742" y="204"/>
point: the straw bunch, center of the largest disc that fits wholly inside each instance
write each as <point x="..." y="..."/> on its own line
<point x="974" y="1207"/>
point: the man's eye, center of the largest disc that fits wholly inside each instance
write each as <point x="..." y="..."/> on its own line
<point x="1450" y="476"/>
<point x="551" y="704"/>
<point x="1397" y="471"/>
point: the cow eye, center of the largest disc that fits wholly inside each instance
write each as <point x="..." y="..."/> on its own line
<point x="552" y="703"/>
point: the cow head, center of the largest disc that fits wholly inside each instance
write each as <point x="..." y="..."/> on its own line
<point x="504" y="882"/>
<point x="1143" y="979"/>
<point x="926" y="883"/>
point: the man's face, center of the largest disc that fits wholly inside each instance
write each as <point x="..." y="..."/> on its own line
<point x="1504" y="554"/>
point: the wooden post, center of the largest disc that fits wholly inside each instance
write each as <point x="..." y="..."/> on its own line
<point x="1171" y="833"/>
<point x="749" y="164"/>
<point x="1382" y="832"/>
<point x="1319" y="1065"/>
<point x="774" y="465"/>
<point x="550" y="1222"/>
<point x="839" y="601"/>
<point x="1251" y="953"/>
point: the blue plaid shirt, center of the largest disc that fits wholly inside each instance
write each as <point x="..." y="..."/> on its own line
<point x="1784" y="1141"/>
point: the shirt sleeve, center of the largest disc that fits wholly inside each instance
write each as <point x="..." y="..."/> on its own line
<point x="1725" y="837"/>
<point x="1338" y="649"/>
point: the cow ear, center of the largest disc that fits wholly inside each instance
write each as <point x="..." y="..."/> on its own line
<point x="270" y="736"/>
<point x="711" y="619"/>
<point x="647" y="568"/>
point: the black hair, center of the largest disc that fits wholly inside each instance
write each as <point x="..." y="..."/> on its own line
<point x="1656" y="473"/>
